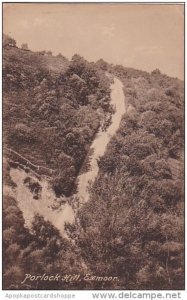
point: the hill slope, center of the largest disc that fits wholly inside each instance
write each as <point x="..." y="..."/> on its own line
<point x="52" y="110"/>
<point x="136" y="204"/>
<point x="132" y="226"/>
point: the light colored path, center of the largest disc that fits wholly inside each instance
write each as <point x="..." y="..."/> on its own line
<point x="102" y="139"/>
<point x="29" y="206"/>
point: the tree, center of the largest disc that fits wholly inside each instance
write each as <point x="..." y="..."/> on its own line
<point x="156" y="72"/>
<point x="43" y="52"/>
<point x="24" y="46"/>
<point x="49" y="53"/>
<point x="13" y="277"/>
<point x="8" y="41"/>
<point x="44" y="231"/>
<point x="102" y="64"/>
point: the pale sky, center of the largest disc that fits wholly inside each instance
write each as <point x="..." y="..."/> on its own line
<point x="141" y="36"/>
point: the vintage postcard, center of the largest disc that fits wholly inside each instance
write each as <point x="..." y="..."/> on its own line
<point x="93" y="146"/>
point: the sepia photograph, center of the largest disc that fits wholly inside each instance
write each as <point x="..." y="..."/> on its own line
<point x="93" y="146"/>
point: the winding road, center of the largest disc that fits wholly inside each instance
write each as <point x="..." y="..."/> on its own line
<point x="44" y="204"/>
<point x="102" y="139"/>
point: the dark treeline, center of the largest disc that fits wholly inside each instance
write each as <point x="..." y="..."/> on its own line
<point x="52" y="109"/>
<point x="52" y="116"/>
<point x="40" y="250"/>
<point x="132" y="226"/>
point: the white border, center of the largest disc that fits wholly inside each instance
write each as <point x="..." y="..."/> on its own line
<point x="79" y="295"/>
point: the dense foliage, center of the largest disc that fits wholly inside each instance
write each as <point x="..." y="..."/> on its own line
<point x="51" y="115"/>
<point x="132" y="226"/>
<point x="40" y="250"/>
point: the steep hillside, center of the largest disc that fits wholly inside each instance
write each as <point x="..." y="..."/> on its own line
<point x="52" y="110"/>
<point x="132" y="226"/>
